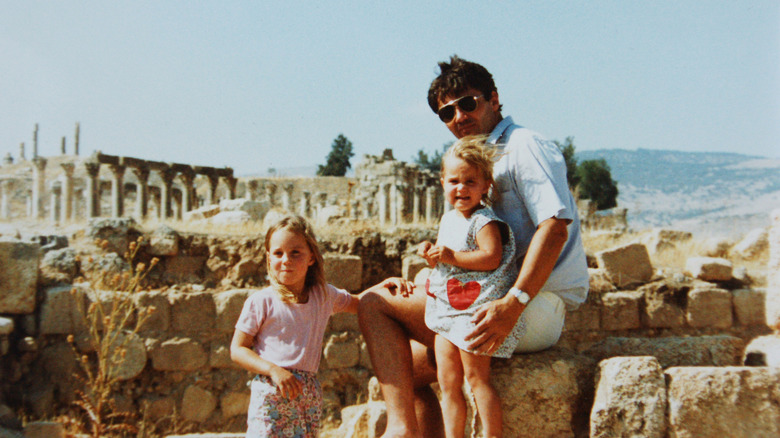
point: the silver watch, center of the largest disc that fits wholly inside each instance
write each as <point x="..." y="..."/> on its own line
<point x="521" y="296"/>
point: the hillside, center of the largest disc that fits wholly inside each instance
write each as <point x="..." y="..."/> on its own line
<point x="702" y="192"/>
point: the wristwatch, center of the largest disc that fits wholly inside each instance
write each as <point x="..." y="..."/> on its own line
<point x="521" y="296"/>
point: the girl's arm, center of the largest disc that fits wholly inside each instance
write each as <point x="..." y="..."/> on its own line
<point x="486" y="258"/>
<point x="352" y="307"/>
<point x="241" y="353"/>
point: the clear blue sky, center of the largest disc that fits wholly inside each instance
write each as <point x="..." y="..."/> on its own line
<point x="256" y="84"/>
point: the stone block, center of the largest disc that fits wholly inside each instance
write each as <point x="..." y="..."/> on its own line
<point x="6" y="326"/>
<point x="718" y="350"/>
<point x="366" y="420"/>
<point x="157" y="408"/>
<point x="59" y="265"/>
<point x="585" y="317"/>
<point x="60" y="311"/>
<point x="341" y="351"/>
<point x="545" y="393"/>
<point x="184" y="269"/>
<point x="158" y="308"/>
<point x="228" y="307"/>
<point x="660" y="239"/>
<point x="193" y="312"/>
<point x="630" y="399"/>
<point x="344" y="271"/>
<point x="715" y="247"/>
<point x="749" y="306"/>
<point x="219" y="357"/>
<point x="755" y="242"/>
<point x="709" y="268"/>
<point x="411" y="265"/>
<point x="620" y="310"/>
<point x="763" y="351"/>
<point x="626" y="265"/>
<point x="664" y="305"/>
<point x="44" y="429"/>
<point x="178" y="354"/>
<point x="234" y="403"/>
<point x="709" y="307"/>
<point x="729" y="401"/>
<point x="18" y="276"/>
<point x="599" y="281"/>
<point x="164" y="241"/>
<point x="343" y="322"/>
<point x="197" y="404"/>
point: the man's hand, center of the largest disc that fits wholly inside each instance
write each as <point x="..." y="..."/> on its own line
<point x="493" y="323"/>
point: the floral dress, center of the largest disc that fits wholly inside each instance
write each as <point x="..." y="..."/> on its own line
<point x="455" y="294"/>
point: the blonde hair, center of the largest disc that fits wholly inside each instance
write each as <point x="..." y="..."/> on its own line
<point x="474" y="150"/>
<point x="315" y="275"/>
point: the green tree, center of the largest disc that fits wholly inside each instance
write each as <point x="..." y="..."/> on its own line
<point x="337" y="161"/>
<point x="432" y="162"/>
<point x="596" y="183"/>
<point x="567" y="149"/>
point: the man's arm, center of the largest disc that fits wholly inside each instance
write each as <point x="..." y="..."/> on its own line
<point x="496" y="319"/>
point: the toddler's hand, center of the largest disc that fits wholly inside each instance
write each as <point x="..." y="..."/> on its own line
<point x="423" y="250"/>
<point x="438" y="253"/>
<point x="289" y="385"/>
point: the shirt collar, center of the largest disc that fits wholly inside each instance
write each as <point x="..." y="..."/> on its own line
<point x="499" y="130"/>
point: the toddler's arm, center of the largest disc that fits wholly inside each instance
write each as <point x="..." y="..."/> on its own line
<point x="241" y="353"/>
<point x="486" y="258"/>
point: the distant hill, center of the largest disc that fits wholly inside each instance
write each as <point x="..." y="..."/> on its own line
<point x="703" y="192"/>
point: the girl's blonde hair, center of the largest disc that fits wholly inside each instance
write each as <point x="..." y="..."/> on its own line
<point x="315" y="275"/>
<point x="474" y="150"/>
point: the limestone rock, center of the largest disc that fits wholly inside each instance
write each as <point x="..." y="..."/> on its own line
<point x="729" y="401"/>
<point x="18" y="276"/>
<point x="255" y="210"/>
<point x="6" y="326"/>
<point x="164" y="241"/>
<point x="411" y="265"/>
<point x="709" y="268"/>
<point x="620" y="310"/>
<point x="159" y="310"/>
<point x="197" y="404"/>
<point x="660" y="239"/>
<point x="763" y="351"/>
<point x="228" y="307"/>
<point x="709" y="307"/>
<point x="630" y="399"/>
<point x="715" y="247"/>
<point x="132" y="361"/>
<point x="626" y="265"/>
<point x="664" y="305"/>
<point x="749" y="306"/>
<point x="599" y="281"/>
<point x="61" y="310"/>
<point x="368" y="420"/>
<point x="344" y="271"/>
<point x="117" y="232"/>
<point x="718" y="350"/>
<point x="231" y="218"/>
<point x="44" y="429"/>
<point x="753" y="244"/>
<point x="192" y="312"/>
<point x="544" y="393"/>
<point x="60" y="265"/>
<point x="201" y="213"/>
<point x="178" y="354"/>
<point x="341" y="351"/>
<point x="234" y="403"/>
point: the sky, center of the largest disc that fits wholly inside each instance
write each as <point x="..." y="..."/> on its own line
<point x="255" y="85"/>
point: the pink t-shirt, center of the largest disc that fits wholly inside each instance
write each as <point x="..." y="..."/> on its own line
<point x="287" y="334"/>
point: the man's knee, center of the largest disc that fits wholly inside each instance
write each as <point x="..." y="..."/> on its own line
<point x="371" y="303"/>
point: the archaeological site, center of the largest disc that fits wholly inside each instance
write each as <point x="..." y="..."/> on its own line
<point x="125" y="277"/>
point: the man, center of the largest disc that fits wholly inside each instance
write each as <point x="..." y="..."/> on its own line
<point x="535" y="201"/>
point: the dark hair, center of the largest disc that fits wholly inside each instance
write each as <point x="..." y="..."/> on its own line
<point x="456" y="77"/>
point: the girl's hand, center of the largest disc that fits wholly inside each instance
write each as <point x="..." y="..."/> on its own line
<point x="422" y="251"/>
<point x="289" y="385"/>
<point x="439" y="253"/>
<point x="399" y="285"/>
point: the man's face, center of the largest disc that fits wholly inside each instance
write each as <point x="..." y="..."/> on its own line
<point x="481" y="120"/>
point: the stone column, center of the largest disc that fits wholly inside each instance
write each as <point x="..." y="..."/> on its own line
<point x="66" y="207"/>
<point x="35" y="143"/>
<point x="381" y="199"/>
<point x="62" y="146"/>
<point x="211" y="199"/>
<point x="188" y="191"/>
<point x="54" y="206"/>
<point x="305" y="208"/>
<point x="401" y="202"/>
<point x="93" y="189"/>
<point x="176" y="205"/>
<point x="76" y="140"/>
<point x="286" y="196"/>
<point x="252" y="188"/>
<point x="270" y="193"/>
<point x="429" y="204"/>
<point x="142" y="192"/>
<point x="117" y="190"/>
<point x="21" y="152"/>
<point x="416" y="202"/>
<point x="394" y="195"/>
<point x="354" y="214"/>
<point x="231" y="182"/>
<point x="39" y="185"/>
<point x="166" y="176"/>
<point x="5" y="201"/>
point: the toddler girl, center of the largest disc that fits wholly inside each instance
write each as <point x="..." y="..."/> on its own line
<point x="280" y="330"/>
<point x="474" y="263"/>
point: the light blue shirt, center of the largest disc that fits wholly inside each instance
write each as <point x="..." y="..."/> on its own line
<point x="531" y="186"/>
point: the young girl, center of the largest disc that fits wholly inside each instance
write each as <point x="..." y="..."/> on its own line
<point x="474" y="262"/>
<point x="280" y="330"/>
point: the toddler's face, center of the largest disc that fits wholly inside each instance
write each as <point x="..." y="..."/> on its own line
<point x="464" y="185"/>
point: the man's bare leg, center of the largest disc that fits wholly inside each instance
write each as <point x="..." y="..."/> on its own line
<point x="427" y="407"/>
<point x="389" y="322"/>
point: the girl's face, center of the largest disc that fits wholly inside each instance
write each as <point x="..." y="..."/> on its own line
<point x="289" y="258"/>
<point x="464" y="185"/>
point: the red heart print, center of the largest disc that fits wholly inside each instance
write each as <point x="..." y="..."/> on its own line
<point x="461" y="295"/>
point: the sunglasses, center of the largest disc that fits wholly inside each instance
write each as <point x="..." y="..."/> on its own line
<point x="466" y="104"/>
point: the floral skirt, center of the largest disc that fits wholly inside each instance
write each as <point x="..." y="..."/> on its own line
<point x="272" y="415"/>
